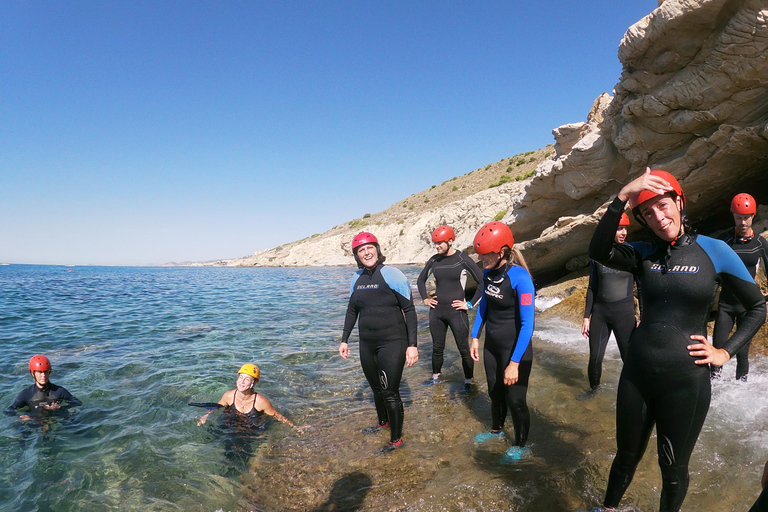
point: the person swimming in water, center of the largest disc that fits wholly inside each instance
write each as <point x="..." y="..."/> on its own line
<point x="246" y="402"/>
<point x="42" y="395"/>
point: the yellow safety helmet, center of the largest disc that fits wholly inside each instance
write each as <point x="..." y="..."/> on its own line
<point x="250" y="369"/>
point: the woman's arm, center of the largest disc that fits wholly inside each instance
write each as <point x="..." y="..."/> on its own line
<point x="263" y="404"/>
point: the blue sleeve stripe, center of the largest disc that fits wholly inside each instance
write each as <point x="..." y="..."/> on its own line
<point x="354" y="280"/>
<point x="723" y="258"/>
<point x="396" y="280"/>
<point x="521" y="281"/>
<point x="480" y="317"/>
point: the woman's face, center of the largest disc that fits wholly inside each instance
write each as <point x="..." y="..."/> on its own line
<point x="490" y="260"/>
<point x="244" y="382"/>
<point x="621" y="234"/>
<point x="662" y="214"/>
<point x="368" y="255"/>
<point x="41" y="378"/>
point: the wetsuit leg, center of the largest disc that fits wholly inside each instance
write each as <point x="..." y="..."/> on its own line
<point x="390" y="360"/>
<point x="682" y="403"/>
<point x="494" y="374"/>
<point x="599" y="333"/>
<point x="724" y="321"/>
<point x="516" y="401"/>
<point x="622" y="323"/>
<point x="761" y="505"/>
<point x="459" y="323"/>
<point x="634" y="423"/>
<point x="438" y="327"/>
<point x="742" y="356"/>
<point x="371" y="371"/>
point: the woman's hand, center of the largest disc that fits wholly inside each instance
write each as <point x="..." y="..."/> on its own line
<point x="707" y="351"/>
<point x="647" y="181"/>
<point x="585" y="328"/>
<point x="511" y="374"/>
<point x="431" y="301"/>
<point x="474" y="349"/>
<point x="344" y="350"/>
<point x="203" y="418"/>
<point x="460" y="305"/>
<point x="411" y="356"/>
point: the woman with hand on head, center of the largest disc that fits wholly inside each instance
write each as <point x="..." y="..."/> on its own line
<point x="507" y="312"/>
<point x="380" y="297"/>
<point x="665" y="380"/>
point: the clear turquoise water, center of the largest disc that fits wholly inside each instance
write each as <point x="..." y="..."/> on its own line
<point x="137" y="344"/>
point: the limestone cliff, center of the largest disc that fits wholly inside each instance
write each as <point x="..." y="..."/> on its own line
<point x="692" y="99"/>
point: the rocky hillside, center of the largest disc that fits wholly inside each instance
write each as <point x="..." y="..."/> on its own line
<point x="692" y="99"/>
<point x="465" y="202"/>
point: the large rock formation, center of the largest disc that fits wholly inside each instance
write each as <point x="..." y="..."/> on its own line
<point x="691" y="100"/>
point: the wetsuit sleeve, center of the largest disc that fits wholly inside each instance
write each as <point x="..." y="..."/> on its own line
<point x="603" y="248"/>
<point x="350" y="318"/>
<point x="421" y="282"/>
<point x="523" y="284"/>
<point x="737" y="280"/>
<point x="66" y="395"/>
<point x="20" y="401"/>
<point x="474" y="271"/>
<point x="398" y="283"/>
<point x="763" y="254"/>
<point x="591" y="289"/>
<point x="480" y="317"/>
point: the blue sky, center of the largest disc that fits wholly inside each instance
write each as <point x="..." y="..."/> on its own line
<point x="136" y="133"/>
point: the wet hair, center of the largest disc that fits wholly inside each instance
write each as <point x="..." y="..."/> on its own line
<point x="379" y="261"/>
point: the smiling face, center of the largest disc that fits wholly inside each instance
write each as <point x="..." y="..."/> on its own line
<point x="368" y="255"/>
<point x="443" y="247"/>
<point x="621" y="234"/>
<point x="662" y="214"/>
<point x="743" y="224"/>
<point x="244" y="382"/>
<point x="490" y="260"/>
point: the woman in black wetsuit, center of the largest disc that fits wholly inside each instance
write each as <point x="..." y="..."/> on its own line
<point x="244" y="401"/>
<point x="380" y="297"/>
<point x="507" y="312"/>
<point x="665" y="380"/>
<point x="609" y="307"/>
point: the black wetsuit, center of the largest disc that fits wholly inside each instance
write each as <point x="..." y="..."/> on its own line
<point x="660" y="383"/>
<point x="381" y="298"/>
<point x="507" y="310"/>
<point x="729" y="311"/>
<point x="34" y="398"/>
<point x="611" y="304"/>
<point x="451" y="274"/>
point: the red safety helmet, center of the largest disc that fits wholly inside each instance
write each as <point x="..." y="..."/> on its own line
<point x="624" y="221"/>
<point x="443" y="234"/>
<point x="362" y="239"/>
<point x="645" y="195"/>
<point x="493" y="237"/>
<point x="39" y="363"/>
<point x="743" y="204"/>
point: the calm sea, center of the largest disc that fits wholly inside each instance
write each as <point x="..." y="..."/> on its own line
<point x="137" y="344"/>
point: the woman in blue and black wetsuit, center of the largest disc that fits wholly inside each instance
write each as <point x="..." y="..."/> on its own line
<point x="665" y="380"/>
<point x="507" y="311"/>
<point x="380" y="297"/>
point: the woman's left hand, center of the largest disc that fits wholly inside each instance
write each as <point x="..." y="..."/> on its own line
<point x="459" y="305"/>
<point x="411" y="356"/>
<point x="511" y="374"/>
<point x="707" y="351"/>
